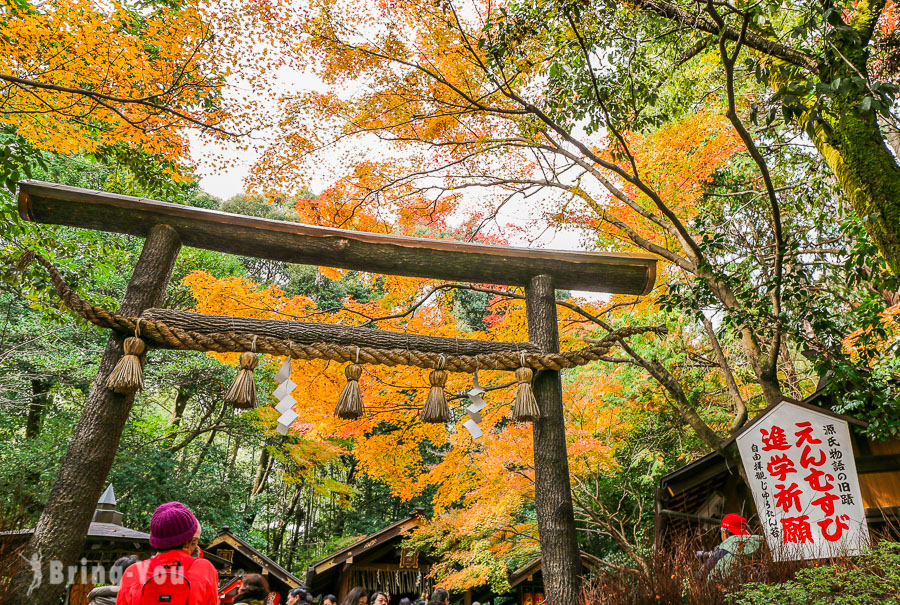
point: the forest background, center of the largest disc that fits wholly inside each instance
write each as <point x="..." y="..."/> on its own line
<point x="752" y="148"/>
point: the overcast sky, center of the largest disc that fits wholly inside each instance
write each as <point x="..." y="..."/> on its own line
<point x="225" y="183"/>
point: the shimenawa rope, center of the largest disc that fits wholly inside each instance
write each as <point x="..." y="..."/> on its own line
<point x="160" y="335"/>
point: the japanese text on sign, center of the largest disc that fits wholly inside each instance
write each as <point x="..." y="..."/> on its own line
<point x="800" y="468"/>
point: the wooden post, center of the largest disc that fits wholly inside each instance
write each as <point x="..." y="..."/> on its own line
<point x="561" y="561"/>
<point x="344" y="586"/>
<point x="63" y="526"/>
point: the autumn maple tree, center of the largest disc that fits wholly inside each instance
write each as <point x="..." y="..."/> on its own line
<point x="513" y="101"/>
<point x="481" y="489"/>
<point x="87" y="77"/>
<point x="118" y="83"/>
<point x="441" y="119"/>
<point x="634" y="141"/>
<point x="465" y="110"/>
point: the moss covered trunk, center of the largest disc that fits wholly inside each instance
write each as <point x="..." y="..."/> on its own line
<point x="867" y="171"/>
<point x="856" y="149"/>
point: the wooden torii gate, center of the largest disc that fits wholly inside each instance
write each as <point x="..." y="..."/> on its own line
<point x="167" y="227"/>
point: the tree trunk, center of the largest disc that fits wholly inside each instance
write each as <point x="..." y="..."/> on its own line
<point x="181" y="400"/>
<point x="856" y="149"/>
<point x="40" y="389"/>
<point x="309" y="520"/>
<point x="552" y="488"/>
<point x="232" y="460"/>
<point x="867" y="172"/>
<point x="61" y="530"/>
<point x="340" y="517"/>
<point x="295" y="537"/>
<point x="262" y="470"/>
<point x="189" y="438"/>
<point x="286" y="516"/>
<point x="209" y="440"/>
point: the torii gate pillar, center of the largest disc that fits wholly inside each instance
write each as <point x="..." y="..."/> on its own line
<point x="561" y="560"/>
<point x="63" y="525"/>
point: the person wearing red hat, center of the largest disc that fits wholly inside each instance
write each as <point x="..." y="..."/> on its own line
<point x="734" y="525"/>
<point x="737" y="543"/>
<point x="173" y="575"/>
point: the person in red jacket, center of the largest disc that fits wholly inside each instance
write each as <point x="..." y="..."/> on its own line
<point x="173" y="573"/>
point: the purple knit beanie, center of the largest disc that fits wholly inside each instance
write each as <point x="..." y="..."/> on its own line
<point x="173" y="525"/>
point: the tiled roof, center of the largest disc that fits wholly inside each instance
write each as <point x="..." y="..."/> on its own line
<point x="225" y="535"/>
<point x="115" y="532"/>
<point x="107" y="531"/>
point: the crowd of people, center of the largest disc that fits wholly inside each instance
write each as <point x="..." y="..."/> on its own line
<point x="359" y="596"/>
<point x="179" y="574"/>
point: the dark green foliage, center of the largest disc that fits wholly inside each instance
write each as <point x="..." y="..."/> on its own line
<point x="156" y="463"/>
<point x="470" y="309"/>
<point x="327" y="293"/>
<point x="260" y="207"/>
<point x="18" y="159"/>
<point x="871" y="579"/>
<point x="295" y="279"/>
<point x="180" y="443"/>
<point x="28" y="466"/>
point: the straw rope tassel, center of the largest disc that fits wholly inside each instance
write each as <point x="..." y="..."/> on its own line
<point x="242" y="393"/>
<point x="436" y="409"/>
<point x="350" y="405"/>
<point x="128" y="375"/>
<point x="526" y="408"/>
<point x="160" y="334"/>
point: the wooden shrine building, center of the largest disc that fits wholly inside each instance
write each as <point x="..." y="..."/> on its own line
<point x="108" y="540"/>
<point x="691" y="501"/>
<point x="526" y="585"/>
<point x="379" y="562"/>
<point x="376" y="562"/>
<point x="237" y="557"/>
